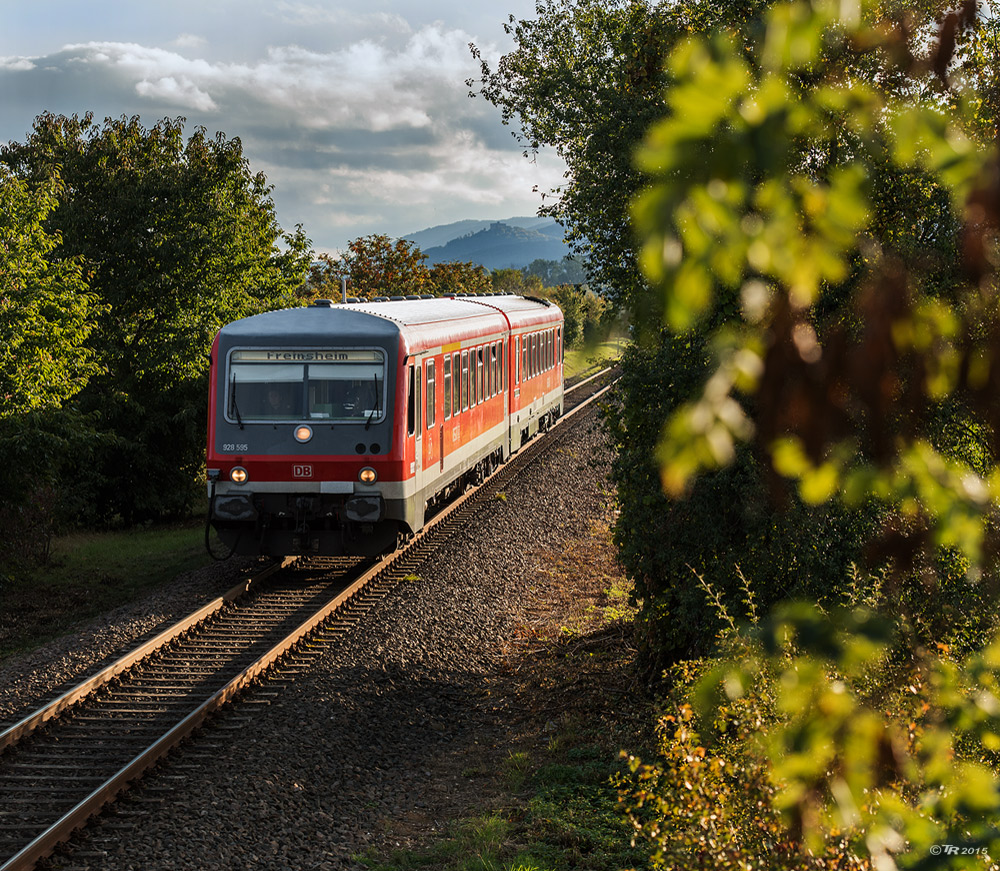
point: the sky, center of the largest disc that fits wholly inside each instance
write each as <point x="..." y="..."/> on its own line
<point x="356" y="112"/>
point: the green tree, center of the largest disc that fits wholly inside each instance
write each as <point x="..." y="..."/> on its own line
<point x="176" y="238"/>
<point x="376" y="265"/>
<point x="46" y="311"/>
<point x="554" y="273"/>
<point x="585" y="79"/>
<point x="584" y="312"/>
<point x="46" y="317"/>
<point x="459" y="278"/>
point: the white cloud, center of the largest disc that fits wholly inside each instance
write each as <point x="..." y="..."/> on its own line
<point x="376" y="135"/>
<point x="364" y="84"/>
<point x="177" y="92"/>
<point x="21" y="64"/>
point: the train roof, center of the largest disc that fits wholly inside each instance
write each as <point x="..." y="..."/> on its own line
<point x="423" y="323"/>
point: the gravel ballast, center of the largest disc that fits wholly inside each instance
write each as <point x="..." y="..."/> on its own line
<point x="381" y="733"/>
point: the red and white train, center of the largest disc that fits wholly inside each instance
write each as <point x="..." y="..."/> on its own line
<point x="334" y="428"/>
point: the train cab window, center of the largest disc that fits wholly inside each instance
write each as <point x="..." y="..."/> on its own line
<point x="465" y="380"/>
<point x="430" y="416"/>
<point x="337" y="385"/>
<point x="447" y="386"/>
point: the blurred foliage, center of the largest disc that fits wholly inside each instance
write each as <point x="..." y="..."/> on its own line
<point x="821" y="227"/>
<point x="825" y="741"/>
<point x="158" y="242"/>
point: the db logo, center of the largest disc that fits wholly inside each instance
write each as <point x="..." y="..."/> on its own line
<point x="302" y="471"/>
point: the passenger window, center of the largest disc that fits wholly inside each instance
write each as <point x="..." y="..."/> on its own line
<point x="524" y="358"/>
<point x="493" y="369"/>
<point x="503" y="371"/>
<point x="456" y="382"/>
<point x="430" y="394"/>
<point x="472" y="378"/>
<point x="479" y="376"/>
<point x="447" y="386"/>
<point x="465" y="380"/>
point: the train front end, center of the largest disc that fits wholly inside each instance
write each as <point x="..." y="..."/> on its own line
<point x="301" y="450"/>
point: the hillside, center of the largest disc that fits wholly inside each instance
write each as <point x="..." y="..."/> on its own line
<point x="495" y="245"/>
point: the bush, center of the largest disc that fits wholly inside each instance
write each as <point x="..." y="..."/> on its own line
<point x="729" y="523"/>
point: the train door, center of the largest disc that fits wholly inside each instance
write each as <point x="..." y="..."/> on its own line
<point x="432" y="454"/>
<point x="419" y="447"/>
<point x="514" y="413"/>
<point x="414" y="421"/>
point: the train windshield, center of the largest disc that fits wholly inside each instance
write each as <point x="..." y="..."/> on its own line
<point x="339" y="386"/>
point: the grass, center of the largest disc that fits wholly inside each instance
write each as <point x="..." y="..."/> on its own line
<point x="565" y="816"/>
<point x="586" y="361"/>
<point x="89" y="573"/>
<point x="472" y="845"/>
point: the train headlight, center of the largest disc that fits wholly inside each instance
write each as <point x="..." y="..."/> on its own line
<point x="303" y="433"/>
<point x="367" y="475"/>
<point x="238" y="475"/>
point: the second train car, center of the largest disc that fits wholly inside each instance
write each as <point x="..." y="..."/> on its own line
<point x="334" y="428"/>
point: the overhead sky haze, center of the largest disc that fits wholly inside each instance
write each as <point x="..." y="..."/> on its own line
<point x="357" y="113"/>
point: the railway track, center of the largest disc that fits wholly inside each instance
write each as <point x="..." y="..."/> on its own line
<point x="60" y="765"/>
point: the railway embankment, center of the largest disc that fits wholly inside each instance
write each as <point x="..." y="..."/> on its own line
<point x="477" y="708"/>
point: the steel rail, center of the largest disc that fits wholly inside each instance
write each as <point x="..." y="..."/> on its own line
<point x="32" y="721"/>
<point x="44" y="844"/>
<point x="603" y="371"/>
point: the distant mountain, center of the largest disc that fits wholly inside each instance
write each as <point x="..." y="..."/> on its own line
<point x="494" y="244"/>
